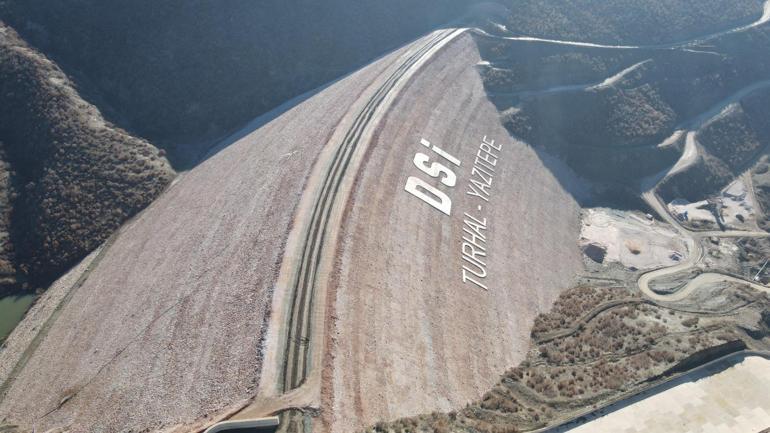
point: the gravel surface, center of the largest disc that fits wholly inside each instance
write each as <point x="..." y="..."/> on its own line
<point x="38" y="315"/>
<point x="168" y="329"/>
<point x="407" y="336"/>
<point x="726" y="397"/>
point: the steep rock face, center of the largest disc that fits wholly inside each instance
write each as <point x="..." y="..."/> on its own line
<point x="68" y="178"/>
<point x="182" y="73"/>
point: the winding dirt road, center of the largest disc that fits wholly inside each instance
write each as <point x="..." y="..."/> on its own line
<point x="694" y="257"/>
<point x="608" y="82"/>
<point x="693" y="239"/>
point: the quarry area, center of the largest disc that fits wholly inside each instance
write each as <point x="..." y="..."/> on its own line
<point x="733" y="208"/>
<point x="632" y="240"/>
<point x="481" y="231"/>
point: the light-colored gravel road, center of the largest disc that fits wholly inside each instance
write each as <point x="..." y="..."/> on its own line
<point x="694" y="256"/>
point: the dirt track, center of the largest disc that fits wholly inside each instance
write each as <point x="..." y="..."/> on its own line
<point x="407" y="335"/>
<point x="695" y="255"/>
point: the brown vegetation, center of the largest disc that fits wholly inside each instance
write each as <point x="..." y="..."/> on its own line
<point x="626" y="346"/>
<point x="571" y="305"/>
<point x="7" y="193"/>
<point x="78" y="177"/>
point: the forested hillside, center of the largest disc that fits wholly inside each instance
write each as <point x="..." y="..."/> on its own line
<point x="628" y="21"/>
<point x="68" y="179"/>
<point x="609" y="118"/>
<point x="181" y="73"/>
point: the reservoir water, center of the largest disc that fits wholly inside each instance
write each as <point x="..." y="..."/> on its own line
<point x="12" y="309"/>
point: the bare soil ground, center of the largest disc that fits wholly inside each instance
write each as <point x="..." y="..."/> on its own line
<point x="407" y="335"/>
<point x="631" y="239"/>
<point x="734" y="205"/>
<point x="168" y="329"/>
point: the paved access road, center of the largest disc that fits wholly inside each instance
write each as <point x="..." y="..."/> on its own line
<point x="320" y="224"/>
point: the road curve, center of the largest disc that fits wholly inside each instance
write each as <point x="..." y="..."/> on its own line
<point x="692" y="285"/>
<point x="693" y="258"/>
<point x="297" y="362"/>
<point x="608" y="82"/>
<point x="689" y="157"/>
<point x="265" y="425"/>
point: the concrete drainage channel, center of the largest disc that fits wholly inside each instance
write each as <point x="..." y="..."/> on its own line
<point x="260" y="425"/>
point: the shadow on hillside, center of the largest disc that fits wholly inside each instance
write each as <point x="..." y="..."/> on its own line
<point x="276" y="112"/>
